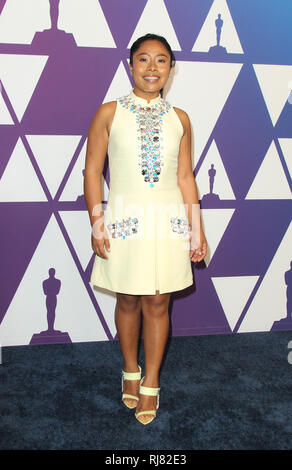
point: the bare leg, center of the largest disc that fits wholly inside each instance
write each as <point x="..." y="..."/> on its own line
<point x="155" y="331"/>
<point x="127" y="319"/>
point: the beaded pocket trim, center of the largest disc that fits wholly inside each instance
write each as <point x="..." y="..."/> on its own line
<point x="123" y="228"/>
<point x="180" y="225"/>
<point x="149" y="127"/>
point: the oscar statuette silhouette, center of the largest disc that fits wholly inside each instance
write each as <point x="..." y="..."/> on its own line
<point x="286" y="322"/>
<point x="51" y="288"/>
<point x="218" y="50"/>
<point x="53" y="39"/>
<point x="211" y="197"/>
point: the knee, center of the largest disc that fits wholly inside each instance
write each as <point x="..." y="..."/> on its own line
<point x="128" y="303"/>
<point x="154" y="308"/>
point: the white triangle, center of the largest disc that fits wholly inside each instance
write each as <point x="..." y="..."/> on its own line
<point x="19" y="21"/>
<point x="75" y="312"/>
<point x="286" y="146"/>
<point x="75" y="184"/>
<point x="270" y="181"/>
<point x="269" y="303"/>
<point x="20" y="74"/>
<point x="155" y="19"/>
<point x="53" y="154"/>
<point x="207" y="36"/>
<point x="5" y="117"/>
<point x="119" y="86"/>
<point x="86" y="22"/>
<point x="74" y="188"/>
<point x="205" y="101"/>
<point x="233" y="293"/>
<point x="107" y="304"/>
<point x="274" y="81"/>
<point x="19" y="182"/>
<point x="78" y="227"/>
<point x="79" y="230"/>
<point x="215" y="222"/>
<point x="222" y="186"/>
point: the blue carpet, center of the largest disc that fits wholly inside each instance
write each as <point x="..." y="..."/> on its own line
<point x="229" y="392"/>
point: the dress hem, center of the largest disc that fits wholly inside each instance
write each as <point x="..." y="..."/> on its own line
<point x="161" y="291"/>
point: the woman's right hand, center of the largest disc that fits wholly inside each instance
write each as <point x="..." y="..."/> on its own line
<point x="100" y="241"/>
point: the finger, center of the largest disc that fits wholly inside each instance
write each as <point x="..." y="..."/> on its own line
<point x="107" y="244"/>
<point x="99" y="251"/>
<point x="194" y="258"/>
<point x="196" y="255"/>
<point x="204" y="250"/>
<point x="193" y="255"/>
<point x="202" y="256"/>
<point x="102" y="253"/>
<point x="96" y="251"/>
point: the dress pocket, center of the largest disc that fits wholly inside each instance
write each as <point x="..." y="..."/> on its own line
<point x="123" y="228"/>
<point x="180" y="225"/>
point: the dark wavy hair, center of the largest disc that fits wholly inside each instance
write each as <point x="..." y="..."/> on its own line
<point x="149" y="36"/>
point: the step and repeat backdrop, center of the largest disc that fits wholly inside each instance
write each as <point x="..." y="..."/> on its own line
<point x="59" y="60"/>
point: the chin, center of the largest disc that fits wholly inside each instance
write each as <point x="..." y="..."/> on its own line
<point x="152" y="88"/>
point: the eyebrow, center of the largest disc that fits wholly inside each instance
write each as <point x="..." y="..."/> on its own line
<point x="146" y="53"/>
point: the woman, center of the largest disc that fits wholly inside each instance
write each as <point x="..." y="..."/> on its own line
<point x="148" y="142"/>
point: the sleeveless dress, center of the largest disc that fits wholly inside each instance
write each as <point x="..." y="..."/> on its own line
<point x="145" y="217"/>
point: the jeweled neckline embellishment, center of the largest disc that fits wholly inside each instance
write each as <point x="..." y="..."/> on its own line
<point x="149" y="119"/>
<point x="143" y="102"/>
<point x="131" y="102"/>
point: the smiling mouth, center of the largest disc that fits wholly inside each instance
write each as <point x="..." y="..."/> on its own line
<point x="151" y="78"/>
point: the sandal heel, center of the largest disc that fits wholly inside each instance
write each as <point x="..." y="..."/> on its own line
<point x="151" y="391"/>
<point x="130" y="376"/>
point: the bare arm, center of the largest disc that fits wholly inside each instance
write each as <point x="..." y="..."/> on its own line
<point x="188" y="186"/>
<point x="97" y="144"/>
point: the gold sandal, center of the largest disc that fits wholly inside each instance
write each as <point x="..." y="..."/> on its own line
<point x="148" y="391"/>
<point x="130" y="376"/>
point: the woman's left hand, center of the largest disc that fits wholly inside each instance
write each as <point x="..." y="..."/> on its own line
<point x="199" y="252"/>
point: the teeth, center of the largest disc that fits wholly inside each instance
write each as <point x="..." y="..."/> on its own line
<point x="151" y="78"/>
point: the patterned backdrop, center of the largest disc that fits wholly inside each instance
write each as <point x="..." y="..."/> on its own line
<point x="59" y="60"/>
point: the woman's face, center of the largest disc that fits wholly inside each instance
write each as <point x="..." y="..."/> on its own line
<point x="151" y="66"/>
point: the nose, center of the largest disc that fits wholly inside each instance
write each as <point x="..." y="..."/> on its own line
<point x="152" y="65"/>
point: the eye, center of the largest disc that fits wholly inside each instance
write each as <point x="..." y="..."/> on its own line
<point x="161" y="60"/>
<point x="142" y="59"/>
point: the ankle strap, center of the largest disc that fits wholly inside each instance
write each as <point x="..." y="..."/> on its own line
<point x="132" y="375"/>
<point x="152" y="391"/>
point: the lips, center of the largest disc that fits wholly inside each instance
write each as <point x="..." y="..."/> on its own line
<point x="151" y="78"/>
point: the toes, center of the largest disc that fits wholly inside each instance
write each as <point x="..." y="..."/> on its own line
<point x="130" y="402"/>
<point x="145" y="418"/>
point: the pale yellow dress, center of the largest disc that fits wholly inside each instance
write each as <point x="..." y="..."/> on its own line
<point x="145" y="217"/>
